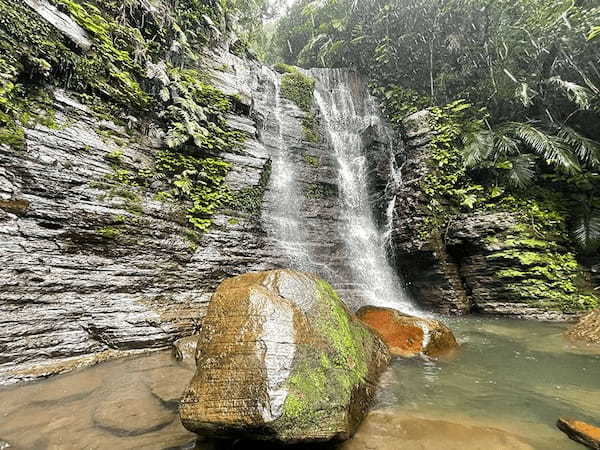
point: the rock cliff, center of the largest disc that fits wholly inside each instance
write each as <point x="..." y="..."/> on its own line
<point x="508" y="257"/>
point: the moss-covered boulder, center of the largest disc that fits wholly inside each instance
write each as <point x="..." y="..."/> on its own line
<point x="280" y="358"/>
<point x="409" y="336"/>
<point x="587" y="329"/>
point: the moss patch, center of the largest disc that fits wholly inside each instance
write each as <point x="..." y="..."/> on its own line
<point x="299" y="88"/>
<point x="331" y="371"/>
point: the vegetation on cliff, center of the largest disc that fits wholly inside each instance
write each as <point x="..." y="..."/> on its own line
<point x="142" y="65"/>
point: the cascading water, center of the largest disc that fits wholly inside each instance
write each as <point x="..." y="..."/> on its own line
<point x="346" y="116"/>
<point x="285" y="216"/>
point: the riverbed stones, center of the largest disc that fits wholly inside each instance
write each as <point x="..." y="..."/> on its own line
<point x="168" y="383"/>
<point x="281" y="359"/>
<point x="587" y="329"/>
<point x="581" y="432"/>
<point x="409" y="336"/>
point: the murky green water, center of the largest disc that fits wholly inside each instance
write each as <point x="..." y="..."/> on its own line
<point x="507" y="387"/>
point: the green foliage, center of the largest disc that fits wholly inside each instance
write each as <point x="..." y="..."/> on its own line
<point x="299" y="88"/>
<point x="197" y="113"/>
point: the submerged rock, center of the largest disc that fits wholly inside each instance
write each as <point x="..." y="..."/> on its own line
<point x="280" y="358"/>
<point x="131" y="412"/>
<point x="168" y="383"/>
<point x="408" y="336"/>
<point x="587" y="329"/>
<point x="390" y="430"/>
<point x="581" y="432"/>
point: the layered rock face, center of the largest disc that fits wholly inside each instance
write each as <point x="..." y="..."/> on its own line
<point x="280" y="358"/>
<point x="95" y="267"/>
<point x="409" y="336"/>
<point x="502" y="261"/>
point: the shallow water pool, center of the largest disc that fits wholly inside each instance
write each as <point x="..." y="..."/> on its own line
<point x="506" y="388"/>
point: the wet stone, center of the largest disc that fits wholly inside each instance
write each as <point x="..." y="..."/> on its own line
<point x="281" y="359"/>
<point x="409" y="336"/>
<point x="584" y="433"/>
<point x="131" y="411"/>
<point x="69" y="388"/>
<point x="389" y="430"/>
<point x="184" y="350"/>
<point x="587" y="329"/>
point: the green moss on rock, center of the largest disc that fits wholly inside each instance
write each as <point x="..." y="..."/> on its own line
<point x="299" y="88"/>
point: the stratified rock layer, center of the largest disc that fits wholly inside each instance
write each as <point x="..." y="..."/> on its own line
<point x="587" y="329"/>
<point x="409" y="336"/>
<point x="280" y="358"/>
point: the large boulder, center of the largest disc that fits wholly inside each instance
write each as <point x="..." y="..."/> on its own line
<point x="581" y="432"/>
<point x="280" y="358"/>
<point x="587" y="329"/>
<point x="409" y="336"/>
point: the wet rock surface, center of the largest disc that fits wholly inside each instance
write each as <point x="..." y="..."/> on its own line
<point x="581" y="432"/>
<point x="409" y="336"/>
<point x="280" y="358"/>
<point x="131" y="411"/>
<point x="95" y="270"/>
<point x="587" y="329"/>
<point x="184" y="350"/>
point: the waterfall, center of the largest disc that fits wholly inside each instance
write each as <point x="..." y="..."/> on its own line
<point x="284" y="214"/>
<point x="347" y="111"/>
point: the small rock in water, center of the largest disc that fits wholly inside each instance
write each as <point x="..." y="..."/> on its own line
<point x="581" y="432"/>
<point x="281" y="359"/>
<point x="4" y="445"/>
<point x="408" y="336"/>
<point x="132" y="411"/>
<point x="184" y="350"/>
<point x="587" y="329"/>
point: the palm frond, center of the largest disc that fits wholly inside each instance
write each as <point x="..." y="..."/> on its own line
<point x="505" y="145"/>
<point x="522" y="172"/>
<point x="587" y="230"/>
<point x="594" y="33"/>
<point x="554" y="150"/>
<point x="478" y="147"/>
<point x="586" y="149"/>
<point x="580" y="95"/>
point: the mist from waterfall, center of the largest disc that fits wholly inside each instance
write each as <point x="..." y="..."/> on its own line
<point x="345" y="116"/>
